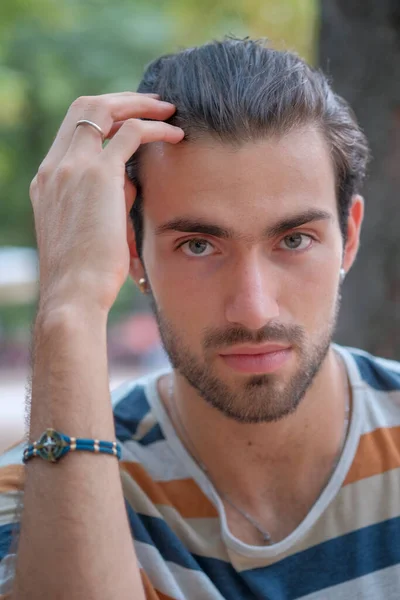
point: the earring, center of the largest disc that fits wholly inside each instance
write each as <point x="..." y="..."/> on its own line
<point x="342" y="275"/>
<point x="142" y="283"/>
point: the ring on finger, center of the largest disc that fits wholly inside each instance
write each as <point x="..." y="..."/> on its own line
<point x="94" y="125"/>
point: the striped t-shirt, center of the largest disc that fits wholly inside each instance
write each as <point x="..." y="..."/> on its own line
<point x="347" y="547"/>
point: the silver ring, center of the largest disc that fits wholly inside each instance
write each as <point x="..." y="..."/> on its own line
<point x="96" y="127"/>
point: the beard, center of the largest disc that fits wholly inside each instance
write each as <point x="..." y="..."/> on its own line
<point x="258" y="398"/>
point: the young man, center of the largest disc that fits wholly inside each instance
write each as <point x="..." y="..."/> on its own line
<point x="265" y="464"/>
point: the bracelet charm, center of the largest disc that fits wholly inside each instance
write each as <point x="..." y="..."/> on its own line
<point x="53" y="445"/>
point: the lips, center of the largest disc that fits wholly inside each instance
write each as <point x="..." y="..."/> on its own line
<point x="256" y="359"/>
<point x="252" y="350"/>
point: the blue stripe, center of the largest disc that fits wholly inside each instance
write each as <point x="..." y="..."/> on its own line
<point x="6" y="535"/>
<point x="331" y="563"/>
<point x="377" y="376"/>
<point x="156" y="532"/>
<point x="327" y="564"/>
<point x="129" y="412"/>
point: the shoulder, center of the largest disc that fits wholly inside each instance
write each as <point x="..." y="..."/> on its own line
<point x="134" y="416"/>
<point x="378" y="373"/>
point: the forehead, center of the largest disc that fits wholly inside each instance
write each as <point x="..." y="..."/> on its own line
<point x="246" y="185"/>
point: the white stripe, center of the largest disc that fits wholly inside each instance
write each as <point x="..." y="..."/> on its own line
<point x="157" y="570"/>
<point x="173" y="580"/>
<point x="200" y="536"/>
<point x="392" y="365"/>
<point x="381" y="409"/>
<point x="379" y="585"/>
<point x="7" y="573"/>
<point x="9" y="507"/>
<point x="158" y="459"/>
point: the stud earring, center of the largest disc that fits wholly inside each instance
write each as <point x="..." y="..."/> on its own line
<point x="342" y="275"/>
<point x="142" y="283"/>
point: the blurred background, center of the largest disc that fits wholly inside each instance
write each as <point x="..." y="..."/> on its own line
<point x="54" y="51"/>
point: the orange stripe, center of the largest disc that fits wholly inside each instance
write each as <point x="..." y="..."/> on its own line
<point x="12" y="478"/>
<point x="21" y="441"/>
<point x="150" y="591"/>
<point x="377" y="452"/>
<point x="162" y="596"/>
<point x="182" y="494"/>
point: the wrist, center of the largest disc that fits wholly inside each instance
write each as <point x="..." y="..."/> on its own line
<point x="77" y="315"/>
<point x="78" y="291"/>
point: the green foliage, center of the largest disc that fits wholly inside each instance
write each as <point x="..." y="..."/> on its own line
<point x="52" y="52"/>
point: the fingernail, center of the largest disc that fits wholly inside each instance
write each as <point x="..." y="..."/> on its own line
<point x="167" y="104"/>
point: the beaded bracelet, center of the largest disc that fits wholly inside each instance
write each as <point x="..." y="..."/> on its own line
<point x="53" y="445"/>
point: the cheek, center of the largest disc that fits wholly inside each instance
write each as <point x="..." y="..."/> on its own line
<point x="184" y="301"/>
<point x="311" y="301"/>
<point x="181" y="288"/>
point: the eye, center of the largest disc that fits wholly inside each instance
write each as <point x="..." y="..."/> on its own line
<point x="296" y="241"/>
<point x="196" y="247"/>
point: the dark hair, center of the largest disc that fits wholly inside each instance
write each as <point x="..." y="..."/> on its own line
<point x="241" y="90"/>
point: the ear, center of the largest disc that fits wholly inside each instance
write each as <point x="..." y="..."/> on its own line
<point x="356" y="215"/>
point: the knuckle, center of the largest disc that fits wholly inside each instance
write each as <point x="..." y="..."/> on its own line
<point x="93" y="171"/>
<point x="133" y="124"/>
<point x="65" y="170"/>
<point x="134" y="127"/>
<point x="94" y="104"/>
<point x="88" y="105"/>
<point x="33" y="188"/>
<point x="42" y="174"/>
<point x="81" y="102"/>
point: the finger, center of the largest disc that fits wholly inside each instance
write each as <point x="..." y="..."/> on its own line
<point x="135" y="132"/>
<point x="86" y="139"/>
<point x="61" y="141"/>
<point x="114" y="128"/>
<point x="119" y="106"/>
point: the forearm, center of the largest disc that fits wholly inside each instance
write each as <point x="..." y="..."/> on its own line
<point x="75" y="539"/>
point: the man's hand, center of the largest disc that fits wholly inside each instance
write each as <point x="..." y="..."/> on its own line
<point x="81" y="197"/>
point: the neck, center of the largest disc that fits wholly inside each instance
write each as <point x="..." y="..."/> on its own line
<point x="265" y="462"/>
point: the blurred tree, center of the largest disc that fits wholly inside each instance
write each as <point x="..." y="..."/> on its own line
<point x="53" y="52"/>
<point x="359" y="47"/>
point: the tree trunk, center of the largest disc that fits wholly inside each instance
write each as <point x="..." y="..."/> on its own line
<point x="359" y="48"/>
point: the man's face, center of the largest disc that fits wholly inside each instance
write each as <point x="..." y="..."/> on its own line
<point x="242" y="248"/>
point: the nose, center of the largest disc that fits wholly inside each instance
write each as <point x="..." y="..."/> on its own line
<point x="252" y="294"/>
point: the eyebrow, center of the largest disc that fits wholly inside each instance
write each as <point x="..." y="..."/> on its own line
<point x="190" y="225"/>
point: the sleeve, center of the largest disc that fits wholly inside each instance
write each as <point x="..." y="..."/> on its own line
<point x="11" y="499"/>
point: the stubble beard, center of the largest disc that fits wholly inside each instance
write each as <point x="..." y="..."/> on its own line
<point x="258" y="398"/>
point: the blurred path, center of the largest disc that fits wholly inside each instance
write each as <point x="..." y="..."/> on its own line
<point x="12" y="402"/>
